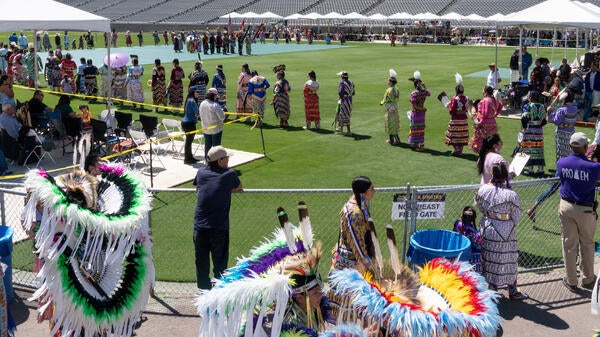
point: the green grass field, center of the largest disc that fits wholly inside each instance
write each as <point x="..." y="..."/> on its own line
<point x="297" y="158"/>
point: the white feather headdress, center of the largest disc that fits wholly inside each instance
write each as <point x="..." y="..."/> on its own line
<point x="458" y="78"/>
<point x="393" y="73"/>
<point x="417" y="75"/>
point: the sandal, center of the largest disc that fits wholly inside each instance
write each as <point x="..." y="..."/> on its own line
<point x="518" y="296"/>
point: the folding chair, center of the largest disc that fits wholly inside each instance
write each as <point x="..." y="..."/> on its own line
<point x="123" y="123"/>
<point x="150" y="129"/>
<point x="72" y="133"/>
<point x="144" y="148"/>
<point x="100" y="139"/>
<point x="40" y="151"/>
<point x="173" y="129"/>
<point x="108" y="116"/>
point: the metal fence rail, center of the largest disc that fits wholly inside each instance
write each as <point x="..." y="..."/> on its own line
<point x="253" y="217"/>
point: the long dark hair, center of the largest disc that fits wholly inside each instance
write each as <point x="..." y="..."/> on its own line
<point x="360" y="185"/>
<point x="468" y="215"/>
<point x="486" y="147"/>
<point x="499" y="175"/>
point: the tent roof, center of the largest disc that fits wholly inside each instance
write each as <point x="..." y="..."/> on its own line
<point x="49" y="15"/>
<point x="426" y="16"/>
<point x="452" y="16"/>
<point x="249" y="15"/>
<point x="496" y="17"/>
<point x="554" y="13"/>
<point x="333" y="15"/>
<point x="401" y="16"/>
<point x="294" y="16"/>
<point x="313" y="16"/>
<point x="475" y="17"/>
<point x="378" y="16"/>
<point x="355" y="15"/>
<point x="270" y="15"/>
<point x="233" y="15"/>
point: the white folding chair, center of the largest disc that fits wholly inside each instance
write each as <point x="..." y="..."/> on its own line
<point x="145" y="147"/>
<point x="40" y="151"/>
<point x="173" y="129"/>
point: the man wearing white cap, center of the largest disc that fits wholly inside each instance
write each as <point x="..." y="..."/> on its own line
<point x="577" y="211"/>
<point x="214" y="185"/>
<point x="212" y="117"/>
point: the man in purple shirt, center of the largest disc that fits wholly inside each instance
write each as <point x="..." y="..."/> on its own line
<point x="577" y="211"/>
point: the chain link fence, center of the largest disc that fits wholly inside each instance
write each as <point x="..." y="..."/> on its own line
<point x="253" y="217"/>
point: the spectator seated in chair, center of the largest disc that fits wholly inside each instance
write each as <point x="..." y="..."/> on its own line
<point x="24" y="137"/>
<point x="38" y="110"/>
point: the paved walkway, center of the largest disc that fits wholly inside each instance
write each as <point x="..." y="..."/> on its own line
<point x="552" y="311"/>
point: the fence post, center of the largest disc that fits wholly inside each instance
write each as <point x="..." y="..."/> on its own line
<point x="406" y="208"/>
<point x="2" y="209"/>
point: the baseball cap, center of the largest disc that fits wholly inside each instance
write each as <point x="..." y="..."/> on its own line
<point x="217" y="152"/>
<point x="213" y="91"/>
<point x="579" y="139"/>
<point x="194" y="88"/>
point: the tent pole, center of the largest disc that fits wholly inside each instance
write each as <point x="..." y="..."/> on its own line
<point x="35" y="64"/>
<point x="565" y="49"/>
<point x="521" y="53"/>
<point x="553" y="42"/>
<point x="109" y="93"/>
<point x="537" y="45"/>
<point x="496" y="58"/>
<point x="577" y="45"/>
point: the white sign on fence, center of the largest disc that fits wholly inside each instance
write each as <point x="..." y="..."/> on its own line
<point x="429" y="206"/>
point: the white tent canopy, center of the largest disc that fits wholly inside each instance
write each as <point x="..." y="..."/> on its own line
<point x="313" y="16"/>
<point x="496" y="17"/>
<point x="233" y="15"/>
<point x="553" y="13"/>
<point x="49" y="15"/>
<point x="475" y="17"/>
<point x="294" y="16"/>
<point x="332" y="15"/>
<point x="378" y="17"/>
<point x="452" y="16"/>
<point x="426" y="16"/>
<point x="355" y="16"/>
<point x="400" y="16"/>
<point x="250" y="15"/>
<point x="270" y="15"/>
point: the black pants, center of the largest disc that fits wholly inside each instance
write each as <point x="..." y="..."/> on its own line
<point x="189" y="139"/>
<point x="210" y="243"/>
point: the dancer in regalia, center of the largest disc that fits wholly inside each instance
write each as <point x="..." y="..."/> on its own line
<point x="94" y="240"/>
<point x="457" y="134"/>
<point x="390" y="102"/>
<point x="444" y="298"/>
<point x="416" y="135"/>
<point x="275" y="291"/>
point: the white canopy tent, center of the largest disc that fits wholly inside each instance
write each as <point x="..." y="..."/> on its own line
<point x="553" y="13"/>
<point x="426" y="16"/>
<point x="270" y="15"/>
<point x="378" y="17"/>
<point x="232" y="15"/>
<point x="452" y="16"/>
<point x="400" y="16"/>
<point x="50" y="15"/>
<point x="355" y="16"/>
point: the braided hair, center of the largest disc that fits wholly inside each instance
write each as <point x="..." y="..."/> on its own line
<point x="360" y="185"/>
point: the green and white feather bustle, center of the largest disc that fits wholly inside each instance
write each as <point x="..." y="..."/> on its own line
<point x="98" y="268"/>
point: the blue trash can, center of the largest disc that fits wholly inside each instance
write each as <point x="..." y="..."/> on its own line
<point x="6" y="248"/>
<point x="426" y="245"/>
